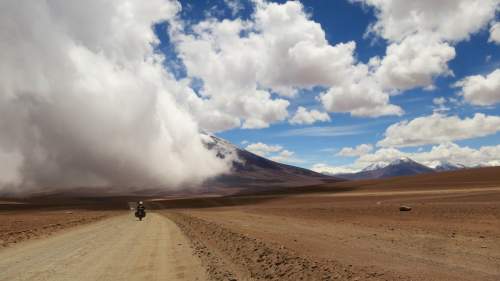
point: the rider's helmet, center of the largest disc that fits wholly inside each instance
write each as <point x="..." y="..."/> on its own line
<point x="140" y="202"/>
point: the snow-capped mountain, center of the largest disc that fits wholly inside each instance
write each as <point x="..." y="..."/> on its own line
<point x="399" y="167"/>
<point x="443" y="166"/>
<point x="252" y="172"/>
<point x="375" y="166"/>
<point x="405" y="166"/>
<point x="402" y="160"/>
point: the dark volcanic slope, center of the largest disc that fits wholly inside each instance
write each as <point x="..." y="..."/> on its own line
<point x="257" y="173"/>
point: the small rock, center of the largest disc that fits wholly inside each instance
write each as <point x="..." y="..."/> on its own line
<point x="404" y="208"/>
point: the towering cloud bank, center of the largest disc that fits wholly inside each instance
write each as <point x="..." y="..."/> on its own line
<point x="85" y="100"/>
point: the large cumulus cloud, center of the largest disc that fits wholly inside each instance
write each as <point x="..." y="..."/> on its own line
<point x="85" y="101"/>
<point x="252" y="68"/>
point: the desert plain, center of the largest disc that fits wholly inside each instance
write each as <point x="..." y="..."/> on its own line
<point x="350" y="230"/>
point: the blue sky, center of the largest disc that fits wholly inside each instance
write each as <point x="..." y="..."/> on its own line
<point x="344" y="21"/>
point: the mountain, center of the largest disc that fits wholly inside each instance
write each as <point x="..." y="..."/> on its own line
<point x="375" y="166"/>
<point x="251" y="172"/>
<point x="400" y="167"/>
<point x="448" y="166"/>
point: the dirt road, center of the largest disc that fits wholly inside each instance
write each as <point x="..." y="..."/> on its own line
<point x="118" y="248"/>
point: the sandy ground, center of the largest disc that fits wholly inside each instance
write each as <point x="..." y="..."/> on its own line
<point x="117" y="248"/>
<point x="449" y="235"/>
<point x="18" y="226"/>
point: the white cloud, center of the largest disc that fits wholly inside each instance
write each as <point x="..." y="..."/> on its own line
<point x="279" y="49"/>
<point x="438" y="128"/>
<point x="295" y="52"/>
<point x="333" y="170"/>
<point x="226" y="63"/>
<point x="356" y="151"/>
<point x="451" y="152"/>
<point x="234" y="67"/>
<point x="234" y="5"/>
<point x="91" y="104"/>
<point x="439" y="101"/>
<point x="285" y="156"/>
<point x="9" y="168"/>
<point x="445" y="152"/>
<point x="495" y="33"/>
<point x="450" y="20"/>
<point x="274" y="152"/>
<point x="383" y="155"/>
<point x="481" y="90"/>
<point x="363" y="97"/>
<point x="263" y="149"/>
<point x="420" y="36"/>
<point x="440" y="105"/>
<point x="414" y="62"/>
<point x="303" y="116"/>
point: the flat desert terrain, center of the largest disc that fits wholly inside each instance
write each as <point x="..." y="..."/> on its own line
<point x="340" y="231"/>
<point x="354" y="230"/>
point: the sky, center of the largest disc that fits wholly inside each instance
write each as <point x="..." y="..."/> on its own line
<point x="115" y="93"/>
<point x="346" y="83"/>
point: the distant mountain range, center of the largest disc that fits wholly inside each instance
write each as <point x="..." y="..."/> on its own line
<point x="256" y="173"/>
<point x="400" y="167"/>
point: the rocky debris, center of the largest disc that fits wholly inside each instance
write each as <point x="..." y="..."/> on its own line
<point x="404" y="208"/>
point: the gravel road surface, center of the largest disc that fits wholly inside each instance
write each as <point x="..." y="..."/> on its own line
<point x="118" y="248"/>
